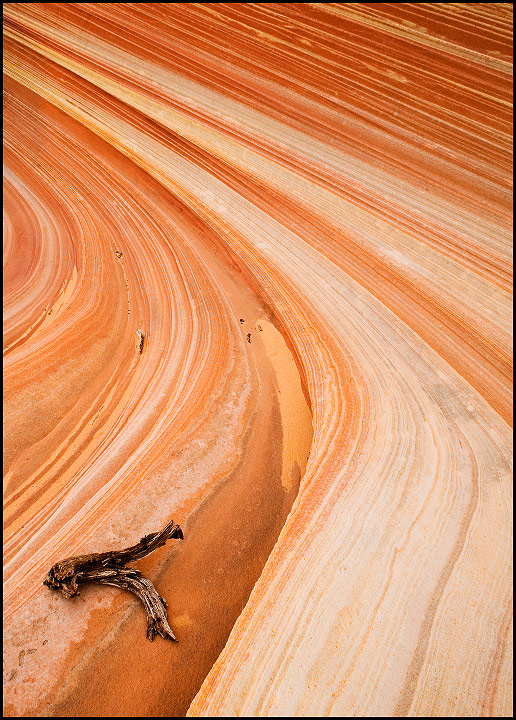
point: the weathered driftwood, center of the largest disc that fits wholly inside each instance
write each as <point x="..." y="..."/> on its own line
<point x="108" y="568"/>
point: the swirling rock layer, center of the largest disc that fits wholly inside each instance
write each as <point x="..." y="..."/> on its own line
<point x="304" y="210"/>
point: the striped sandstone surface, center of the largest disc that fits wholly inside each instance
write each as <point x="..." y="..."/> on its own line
<point x="305" y="210"/>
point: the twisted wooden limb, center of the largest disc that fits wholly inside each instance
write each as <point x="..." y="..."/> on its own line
<point x="109" y="569"/>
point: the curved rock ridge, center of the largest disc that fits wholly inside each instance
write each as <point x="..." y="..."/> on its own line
<point x="105" y="442"/>
<point x="258" y="278"/>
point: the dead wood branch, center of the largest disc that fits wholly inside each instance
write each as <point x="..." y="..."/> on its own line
<point x="108" y="568"/>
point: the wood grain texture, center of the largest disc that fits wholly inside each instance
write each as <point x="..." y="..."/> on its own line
<point x="305" y="208"/>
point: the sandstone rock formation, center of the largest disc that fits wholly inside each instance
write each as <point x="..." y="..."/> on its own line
<point x="257" y="278"/>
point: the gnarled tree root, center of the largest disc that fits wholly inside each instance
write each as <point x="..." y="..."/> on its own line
<point x="109" y="569"/>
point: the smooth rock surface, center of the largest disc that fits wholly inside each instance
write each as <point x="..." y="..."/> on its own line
<point x="305" y="211"/>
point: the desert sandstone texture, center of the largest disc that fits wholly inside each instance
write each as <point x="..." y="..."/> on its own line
<point x="304" y="209"/>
